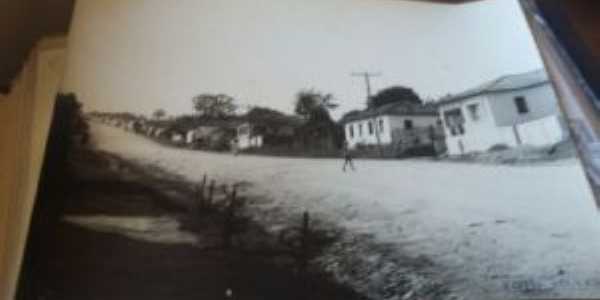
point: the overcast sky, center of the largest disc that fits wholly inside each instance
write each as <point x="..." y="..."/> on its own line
<point x="132" y="55"/>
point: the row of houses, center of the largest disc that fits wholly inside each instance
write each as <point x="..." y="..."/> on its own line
<point x="394" y="129"/>
<point x="510" y="111"/>
<point x="239" y="133"/>
<point x="213" y="135"/>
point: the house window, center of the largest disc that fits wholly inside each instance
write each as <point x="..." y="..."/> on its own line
<point x="474" y="111"/>
<point x="408" y="124"/>
<point x="522" y="107"/>
<point x="360" y="129"/>
<point x="351" y="130"/>
<point x="454" y="121"/>
<point x="380" y="125"/>
<point x="370" y="124"/>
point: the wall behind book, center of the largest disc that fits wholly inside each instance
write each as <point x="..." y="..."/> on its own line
<point x="25" y="113"/>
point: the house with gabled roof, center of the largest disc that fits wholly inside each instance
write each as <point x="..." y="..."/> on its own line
<point x="510" y="111"/>
<point x="266" y="127"/>
<point x="397" y="125"/>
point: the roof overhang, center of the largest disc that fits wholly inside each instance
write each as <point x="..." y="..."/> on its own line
<point x="452" y="100"/>
<point x="387" y="114"/>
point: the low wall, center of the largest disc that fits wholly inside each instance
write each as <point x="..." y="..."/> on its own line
<point x="541" y="132"/>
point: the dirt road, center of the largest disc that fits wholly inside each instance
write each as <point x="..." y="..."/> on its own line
<point x="496" y="230"/>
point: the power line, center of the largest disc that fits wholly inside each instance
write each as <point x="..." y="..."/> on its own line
<point x="367" y="77"/>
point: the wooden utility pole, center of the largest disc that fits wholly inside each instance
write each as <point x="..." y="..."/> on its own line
<point x="367" y="77"/>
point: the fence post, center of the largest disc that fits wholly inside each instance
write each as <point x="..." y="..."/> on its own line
<point x="304" y="233"/>
<point x="200" y="195"/>
<point x="304" y="254"/>
<point x="199" y="202"/>
<point x="211" y="192"/>
<point x="229" y="220"/>
<point x="233" y="196"/>
<point x="224" y="189"/>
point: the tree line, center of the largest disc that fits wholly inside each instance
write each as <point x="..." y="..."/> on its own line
<point x="310" y="104"/>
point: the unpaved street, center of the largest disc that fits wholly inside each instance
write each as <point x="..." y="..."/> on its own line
<point x="497" y="230"/>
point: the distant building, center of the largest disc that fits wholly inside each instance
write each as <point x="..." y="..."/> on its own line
<point x="396" y="127"/>
<point x="256" y="134"/>
<point x="248" y="137"/>
<point x="159" y="132"/>
<point x="207" y="136"/>
<point x="264" y="127"/>
<point x="177" y="137"/>
<point x="510" y="111"/>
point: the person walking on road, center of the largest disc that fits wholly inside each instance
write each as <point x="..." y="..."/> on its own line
<point x="347" y="157"/>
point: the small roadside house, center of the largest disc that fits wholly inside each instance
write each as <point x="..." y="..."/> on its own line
<point x="397" y="127"/>
<point x="157" y="129"/>
<point x="248" y="137"/>
<point x="199" y="133"/>
<point x="266" y="127"/>
<point x="150" y="130"/>
<point x="209" y="137"/>
<point x="176" y="137"/>
<point x="510" y="111"/>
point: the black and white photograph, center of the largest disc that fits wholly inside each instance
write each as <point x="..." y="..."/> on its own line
<point x="318" y="149"/>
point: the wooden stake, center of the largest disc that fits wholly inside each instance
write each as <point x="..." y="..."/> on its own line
<point x="211" y="192"/>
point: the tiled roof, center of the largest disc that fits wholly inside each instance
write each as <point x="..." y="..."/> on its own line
<point x="394" y="109"/>
<point x="502" y="84"/>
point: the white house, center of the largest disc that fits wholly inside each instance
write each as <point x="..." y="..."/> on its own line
<point x="177" y="137"/>
<point x="200" y="132"/>
<point x="247" y="137"/>
<point x="510" y="111"/>
<point x="388" y="124"/>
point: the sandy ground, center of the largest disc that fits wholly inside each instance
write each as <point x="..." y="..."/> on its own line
<point x="124" y="234"/>
<point x="494" y="231"/>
